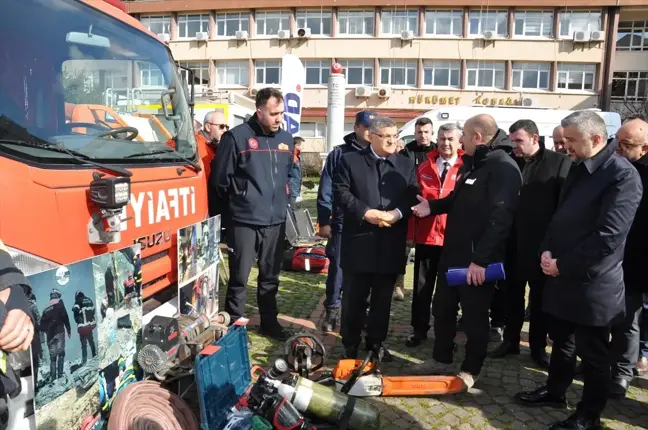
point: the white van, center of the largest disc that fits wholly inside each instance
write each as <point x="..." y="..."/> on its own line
<point x="546" y="119"/>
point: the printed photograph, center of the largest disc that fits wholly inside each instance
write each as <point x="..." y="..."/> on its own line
<point x="201" y="295"/>
<point x="65" y="363"/>
<point x="197" y="248"/>
<point x="117" y="278"/>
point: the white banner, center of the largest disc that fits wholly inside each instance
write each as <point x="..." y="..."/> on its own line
<point x="293" y="80"/>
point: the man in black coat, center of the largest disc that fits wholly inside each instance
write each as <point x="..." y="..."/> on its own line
<point x="375" y="188"/>
<point x="480" y="212"/>
<point x="543" y="174"/>
<point x="633" y="145"/>
<point x="582" y="254"/>
<point x="418" y="148"/>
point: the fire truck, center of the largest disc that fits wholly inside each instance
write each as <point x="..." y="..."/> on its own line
<point x="97" y="150"/>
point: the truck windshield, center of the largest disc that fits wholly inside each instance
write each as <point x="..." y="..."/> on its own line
<point x="72" y="76"/>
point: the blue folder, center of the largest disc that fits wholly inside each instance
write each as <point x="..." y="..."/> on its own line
<point x="457" y="275"/>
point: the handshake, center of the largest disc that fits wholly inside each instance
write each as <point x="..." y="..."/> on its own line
<point x="382" y="218"/>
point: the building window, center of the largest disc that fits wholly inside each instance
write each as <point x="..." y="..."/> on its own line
<point x="200" y="72"/>
<point x="396" y="21"/>
<point x="358" y="72"/>
<point x="268" y="72"/>
<point x="534" y="76"/>
<point x="441" y="73"/>
<point x="312" y="129"/>
<point x="269" y="23"/>
<point x="576" y="76"/>
<point x="495" y="21"/>
<point x="630" y="36"/>
<point x="116" y="79"/>
<point x="227" y="24"/>
<point x="157" y="24"/>
<point x="150" y="75"/>
<point x="317" y="72"/>
<point x="319" y="22"/>
<point x="579" y="21"/>
<point x="629" y="86"/>
<point x="356" y="22"/>
<point x="485" y="74"/>
<point x="232" y="73"/>
<point x="534" y="23"/>
<point x="444" y="22"/>
<point x="398" y="72"/>
<point x="189" y="25"/>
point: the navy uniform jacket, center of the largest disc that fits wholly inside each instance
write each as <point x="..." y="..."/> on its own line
<point x="364" y="182"/>
<point x="326" y="213"/>
<point x="587" y="236"/>
<point x="251" y="172"/>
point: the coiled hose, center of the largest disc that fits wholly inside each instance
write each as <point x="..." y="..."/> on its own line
<point x="146" y="405"/>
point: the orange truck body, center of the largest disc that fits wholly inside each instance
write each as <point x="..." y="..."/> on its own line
<point x="45" y="211"/>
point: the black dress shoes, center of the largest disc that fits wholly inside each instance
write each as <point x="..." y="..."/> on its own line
<point x="540" y="397"/>
<point x="577" y="422"/>
<point x="505" y="348"/>
<point x="618" y="388"/>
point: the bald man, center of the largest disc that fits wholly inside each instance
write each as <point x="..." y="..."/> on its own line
<point x="214" y="126"/>
<point x="480" y="212"/>
<point x="630" y="338"/>
<point x="559" y="140"/>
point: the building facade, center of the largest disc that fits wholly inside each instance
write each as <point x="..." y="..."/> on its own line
<point x="408" y="58"/>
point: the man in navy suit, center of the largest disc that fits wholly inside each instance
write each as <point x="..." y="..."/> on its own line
<point x="375" y="188"/>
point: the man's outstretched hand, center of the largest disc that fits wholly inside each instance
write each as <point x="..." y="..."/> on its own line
<point x="422" y="209"/>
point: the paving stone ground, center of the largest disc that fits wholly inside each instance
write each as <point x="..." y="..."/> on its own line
<point x="488" y="405"/>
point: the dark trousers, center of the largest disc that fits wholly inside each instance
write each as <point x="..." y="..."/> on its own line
<point x="499" y="305"/>
<point x="538" y="323"/>
<point x="247" y="243"/>
<point x="625" y="339"/>
<point x="592" y="344"/>
<point x="426" y="264"/>
<point x="643" y="328"/>
<point x="87" y="338"/>
<point x="334" y="276"/>
<point x="357" y="288"/>
<point x="475" y="303"/>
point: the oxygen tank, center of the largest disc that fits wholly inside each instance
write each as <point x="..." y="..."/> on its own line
<point x="328" y="404"/>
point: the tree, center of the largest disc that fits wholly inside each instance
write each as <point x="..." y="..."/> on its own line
<point x="80" y="90"/>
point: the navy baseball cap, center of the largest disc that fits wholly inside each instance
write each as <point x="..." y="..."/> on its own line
<point x="365" y="118"/>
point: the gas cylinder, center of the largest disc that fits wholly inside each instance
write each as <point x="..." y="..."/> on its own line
<point x="328" y="404"/>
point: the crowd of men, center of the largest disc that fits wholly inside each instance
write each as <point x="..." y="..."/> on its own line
<point x="569" y="222"/>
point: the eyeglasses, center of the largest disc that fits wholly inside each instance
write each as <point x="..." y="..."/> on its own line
<point x="386" y="136"/>
<point x="221" y="126"/>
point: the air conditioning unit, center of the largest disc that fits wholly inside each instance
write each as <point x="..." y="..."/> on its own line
<point x="407" y="35"/>
<point x="384" y="92"/>
<point x="489" y="34"/>
<point x="597" y="36"/>
<point x="202" y="35"/>
<point x="253" y="92"/>
<point x="527" y="102"/>
<point x="581" y="36"/>
<point x="164" y="37"/>
<point x="304" y="32"/>
<point x="283" y="34"/>
<point x="242" y="35"/>
<point x="363" y="91"/>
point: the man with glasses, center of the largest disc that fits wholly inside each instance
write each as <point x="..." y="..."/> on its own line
<point x="375" y="189"/>
<point x="207" y="139"/>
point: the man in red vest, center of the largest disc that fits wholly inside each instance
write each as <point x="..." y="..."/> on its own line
<point x="436" y="176"/>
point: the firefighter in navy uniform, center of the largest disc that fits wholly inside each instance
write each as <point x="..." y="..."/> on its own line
<point x="55" y="322"/>
<point x="16" y="328"/>
<point x="252" y="173"/>
<point x="84" y="315"/>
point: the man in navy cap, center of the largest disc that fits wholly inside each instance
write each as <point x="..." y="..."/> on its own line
<point x="329" y="218"/>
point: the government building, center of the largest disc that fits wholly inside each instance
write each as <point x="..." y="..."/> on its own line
<point x="407" y="57"/>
